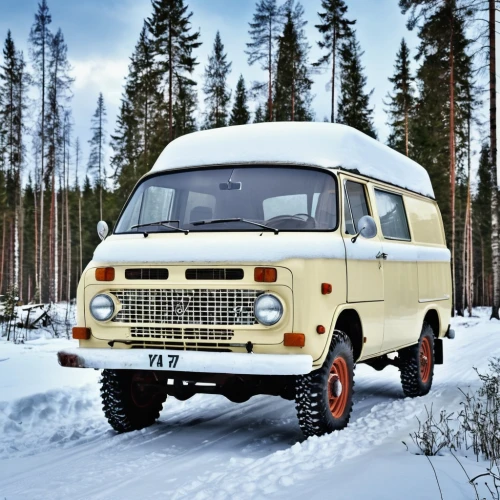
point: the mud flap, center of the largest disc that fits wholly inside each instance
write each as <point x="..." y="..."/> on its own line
<point x="438" y="351"/>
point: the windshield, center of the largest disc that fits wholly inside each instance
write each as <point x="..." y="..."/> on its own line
<point x="287" y="199"/>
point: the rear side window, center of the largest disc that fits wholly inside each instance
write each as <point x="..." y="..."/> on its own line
<point x="392" y="215"/>
<point x="356" y="206"/>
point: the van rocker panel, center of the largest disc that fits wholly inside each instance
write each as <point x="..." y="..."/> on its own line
<point x="187" y="361"/>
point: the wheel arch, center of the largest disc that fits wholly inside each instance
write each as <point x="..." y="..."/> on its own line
<point x="432" y="319"/>
<point x="349" y="322"/>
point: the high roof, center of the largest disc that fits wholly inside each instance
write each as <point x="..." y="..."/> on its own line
<point x="324" y="145"/>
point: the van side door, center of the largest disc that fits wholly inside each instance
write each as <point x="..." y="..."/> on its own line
<point x="365" y="276"/>
<point x="401" y="308"/>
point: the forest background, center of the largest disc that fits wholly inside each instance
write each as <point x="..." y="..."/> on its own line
<point x="66" y="163"/>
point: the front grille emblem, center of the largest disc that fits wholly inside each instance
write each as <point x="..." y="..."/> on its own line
<point x="181" y="307"/>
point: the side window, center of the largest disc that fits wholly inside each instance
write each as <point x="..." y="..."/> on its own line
<point x="392" y="215"/>
<point x="356" y="206"/>
<point x="157" y="204"/>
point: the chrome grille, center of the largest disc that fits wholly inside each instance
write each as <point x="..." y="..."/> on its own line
<point x="155" y="332"/>
<point x="187" y="307"/>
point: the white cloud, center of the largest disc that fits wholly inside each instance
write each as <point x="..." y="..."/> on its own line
<point x="100" y="75"/>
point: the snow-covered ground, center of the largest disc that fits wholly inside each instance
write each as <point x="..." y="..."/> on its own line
<point x="55" y="442"/>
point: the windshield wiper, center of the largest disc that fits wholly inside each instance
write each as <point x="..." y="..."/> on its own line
<point x="237" y="219"/>
<point x="164" y="223"/>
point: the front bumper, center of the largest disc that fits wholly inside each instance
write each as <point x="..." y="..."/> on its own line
<point x="187" y="361"/>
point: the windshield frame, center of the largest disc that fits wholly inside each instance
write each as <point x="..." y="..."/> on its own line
<point x="146" y="177"/>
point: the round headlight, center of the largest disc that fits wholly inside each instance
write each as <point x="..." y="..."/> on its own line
<point x="268" y="309"/>
<point x="102" y="307"/>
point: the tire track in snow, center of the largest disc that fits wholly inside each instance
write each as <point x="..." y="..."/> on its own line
<point x="269" y="475"/>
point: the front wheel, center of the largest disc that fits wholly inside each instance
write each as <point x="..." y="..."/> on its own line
<point x="131" y="399"/>
<point x="324" y="397"/>
<point x="417" y="364"/>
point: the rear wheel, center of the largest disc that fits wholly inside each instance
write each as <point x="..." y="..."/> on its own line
<point x="131" y="399"/>
<point x="417" y="364"/>
<point x="324" y="397"/>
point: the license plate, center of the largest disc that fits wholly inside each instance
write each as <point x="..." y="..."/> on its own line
<point x="163" y="361"/>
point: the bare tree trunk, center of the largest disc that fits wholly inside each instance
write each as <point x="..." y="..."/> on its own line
<point x="293" y="91"/>
<point x="42" y="174"/>
<point x="483" y="301"/>
<point x="80" y="230"/>
<point x="468" y="225"/>
<point x="51" y="244"/>
<point x="36" y="239"/>
<point x="452" y="155"/>
<point x="21" y="251"/>
<point x="471" y="261"/>
<point x="56" y="243"/>
<point x="61" y="245"/>
<point x="3" y="255"/>
<point x="270" y="62"/>
<point x="68" y="241"/>
<point x="495" y="245"/>
<point x="407" y="149"/>
<point x="170" y="84"/>
<point x="465" y="266"/>
<point x="334" y="53"/>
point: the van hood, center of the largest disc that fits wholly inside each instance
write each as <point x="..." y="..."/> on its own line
<point x="235" y="247"/>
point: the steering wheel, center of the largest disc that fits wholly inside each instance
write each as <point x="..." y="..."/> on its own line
<point x="305" y="218"/>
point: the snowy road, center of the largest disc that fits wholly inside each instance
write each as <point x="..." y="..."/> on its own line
<point x="55" y="442"/>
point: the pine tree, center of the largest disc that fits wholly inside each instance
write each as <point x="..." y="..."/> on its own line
<point x="264" y="32"/>
<point x="141" y="128"/>
<point x="481" y="209"/>
<point x="144" y="84"/>
<point x="97" y="143"/>
<point x="240" y="114"/>
<point x="401" y="102"/>
<point x="440" y="126"/>
<point x="174" y="43"/>
<point x="40" y="40"/>
<point x="292" y="95"/>
<point x="215" y="86"/>
<point x="334" y="28"/>
<point x="185" y="106"/>
<point x="59" y="85"/>
<point x="13" y="90"/>
<point x="259" y="116"/>
<point x="124" y="143"/>
<point x="354" y="104"/>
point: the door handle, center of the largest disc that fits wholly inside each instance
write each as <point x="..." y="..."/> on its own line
<point x="381" y="255"/>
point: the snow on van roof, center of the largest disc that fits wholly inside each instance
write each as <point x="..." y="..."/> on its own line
<point x="327" y="145"/>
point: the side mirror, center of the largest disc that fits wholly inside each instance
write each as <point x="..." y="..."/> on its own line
<point x="367" y="228"/>
<point x="102" y="229"/>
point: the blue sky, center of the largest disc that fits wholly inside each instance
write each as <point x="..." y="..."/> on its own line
<point x="101" y="35"/>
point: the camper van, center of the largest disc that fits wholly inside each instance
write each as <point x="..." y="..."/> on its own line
<point x="266" y="259"/>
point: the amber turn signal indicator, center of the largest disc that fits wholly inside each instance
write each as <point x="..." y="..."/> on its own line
<point x="105" y="274"/>
<point x="265" y="274"/>
<point x="81" y="333"/>
<point x="320" y="329"/>
<point x="326" y="288"/>
<point x="294" y="340"/>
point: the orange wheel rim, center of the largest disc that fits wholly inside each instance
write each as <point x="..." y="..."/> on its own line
<point x="338" y="387"/>
<point x="425" y="360"/>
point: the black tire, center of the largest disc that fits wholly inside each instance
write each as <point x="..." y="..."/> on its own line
<point x="125" y="408"/>
<point x="416" y="373"/>
<point x="313" y="392"/>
